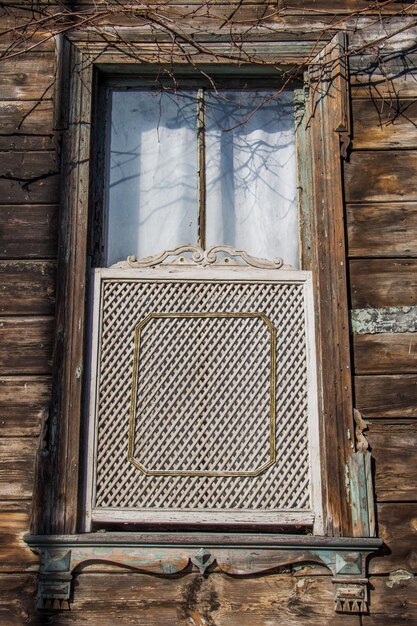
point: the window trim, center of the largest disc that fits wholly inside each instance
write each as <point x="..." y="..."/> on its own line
<point x="57" y="499"/>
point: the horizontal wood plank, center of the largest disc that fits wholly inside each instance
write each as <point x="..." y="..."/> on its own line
<point x="27" y="125"/>
<point x="381" y="176"/>
<point x="23" y="405"/>
<point x="376" y="283"/>
<point x="194" y="599"/>
<point x="28" y="231"/>
<point x="26" y="345"/>
<point x="386" y="396"/>
<point x="397" y="526"/>
<point x="17" y="462"/>
<point x="15" y="556"/>
<point x="27" y="287"/>
<point x="18" y="600"/>
<point x="385" y="353"/>
<point x="29" y="177"/>
<point x="392" y="603"/>
<point x="374" y="84"/>
<point x="26" y="117"/>
<point x="313" y="7"/>
<point x="27" y="77"/>
<point x="382" y="230"/>
<point x="20" y="142"/>
<point x="384" y="124"/>
<point x="393" y="447"/>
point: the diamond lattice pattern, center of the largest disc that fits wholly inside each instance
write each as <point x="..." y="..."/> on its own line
<point x="236" y="368"/>
<point x="200" y="381"/>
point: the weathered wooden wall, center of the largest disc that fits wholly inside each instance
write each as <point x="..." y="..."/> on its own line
<point x="381" y="207"/>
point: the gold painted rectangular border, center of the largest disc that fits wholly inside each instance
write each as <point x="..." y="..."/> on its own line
<point x="272" y="438"/>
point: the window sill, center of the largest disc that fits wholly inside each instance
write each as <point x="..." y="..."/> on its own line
<point x="176" y="553"/>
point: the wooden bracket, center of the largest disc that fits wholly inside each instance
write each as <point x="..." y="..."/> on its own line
<point x="361" y="483"/>
<point x="351" y="596"/>
<point x="55" y="578"/>
<point x="168" y="554"/>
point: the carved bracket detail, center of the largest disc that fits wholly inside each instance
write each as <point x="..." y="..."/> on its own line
<point x="62" y="556"/>
<point x="194" y="255"/>
<point x="351" y="596"/>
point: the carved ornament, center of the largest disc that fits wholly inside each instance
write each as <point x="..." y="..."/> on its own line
<point x="166" y="554"/>
<point x="194" y="255"/>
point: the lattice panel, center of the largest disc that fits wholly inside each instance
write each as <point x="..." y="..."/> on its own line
<point x="204" y="394"/>
<point x="175" y="427"/>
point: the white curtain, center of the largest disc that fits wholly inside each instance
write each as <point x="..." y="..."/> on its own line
<point x="152" y="191"/>
<point x="251" y="173"/>
<point x="152" y="199"/>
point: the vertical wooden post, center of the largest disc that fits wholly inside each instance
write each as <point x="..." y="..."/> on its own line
<point x="327" y="118"/>
<point x="55" y="508"/>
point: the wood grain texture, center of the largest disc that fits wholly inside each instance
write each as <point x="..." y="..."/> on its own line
<point x="24" y="404"/>
<point x="384" y="124"/>
<point x="28" y="77"/>
<point x="373" y="84"/>
<point x="217" y="600"/>
<point x="393" y="448"/>
<point x="309" y="7"/>
<point x="392" y="605"/>
<point x="397" y="526"/>
<point x="29" y="177"/>
<point x="376" y="283"/>
<point x="28" y="231"/>
<point x="31" y="143"/>
<point x="27" y="287"/>
<point x="18" y="600"/>
<point x="385" y="353"/>
<point x="26" y="117"/>
<point x="56" y="494"/>
<point x="386" y="396"/>
<point x="328" y="262"/>
<point x="381" y="176"/>
<point x="15" y="556"/>
<point x="17" y="461"/>
<point x="382" y="230"/>
<point x="26" y="345"/>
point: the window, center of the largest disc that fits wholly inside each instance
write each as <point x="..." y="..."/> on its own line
<point x="203" y="386"/>
<point x="201" y="166"/>
<point x="324" y="125"/>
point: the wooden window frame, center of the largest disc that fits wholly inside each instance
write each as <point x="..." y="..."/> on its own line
<point x="57" y="499"/>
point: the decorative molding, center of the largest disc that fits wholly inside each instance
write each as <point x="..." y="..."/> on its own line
<point x="361" y="441"/>
<point x="351" y="596"/>
<point x="202" y="559"/>
<point x="166" y="554"/>
<point x="361" y="483"/>
<point x="202" y="257"/>
<point x="55" y="578"/>
<point x="342" y="84"/>
<point x="329" y="73"/>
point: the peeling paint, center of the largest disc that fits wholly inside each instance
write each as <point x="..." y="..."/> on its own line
<point x="396" y="319"/>
<point x="398" y="576"/>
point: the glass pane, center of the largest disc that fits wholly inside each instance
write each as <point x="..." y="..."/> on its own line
<point x="251" y="173"/>
<point x="152" y="192"/>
